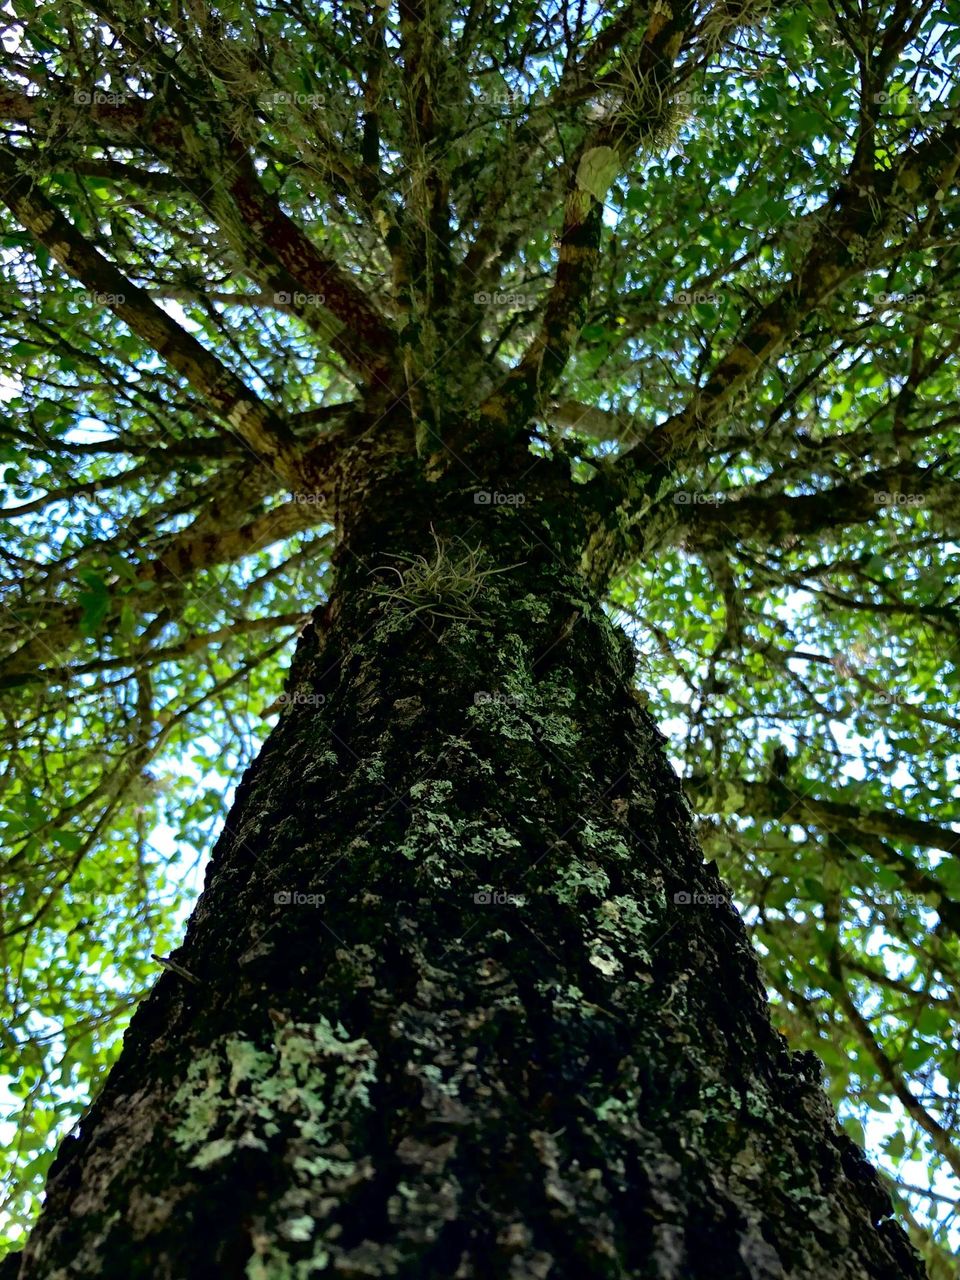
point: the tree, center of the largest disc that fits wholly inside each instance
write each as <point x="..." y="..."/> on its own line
<point x="447" y="336"/>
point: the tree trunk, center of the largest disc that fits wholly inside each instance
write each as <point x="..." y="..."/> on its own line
<point x="460" y="998"/>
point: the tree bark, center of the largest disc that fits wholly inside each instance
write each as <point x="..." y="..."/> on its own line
<point x="460" y="997"/>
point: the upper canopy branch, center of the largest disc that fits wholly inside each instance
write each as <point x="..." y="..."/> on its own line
<point x="277" y="251"/>
<point x="771" y="799"/>
<point x="850" y="235"/>
<point x="263" y="432"/>
<point x="780" y="519"/>
<point x="645" y="77"/>
<point x="167" y="570"/>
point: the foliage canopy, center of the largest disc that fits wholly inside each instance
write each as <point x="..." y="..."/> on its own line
<point x="712" y="253"/>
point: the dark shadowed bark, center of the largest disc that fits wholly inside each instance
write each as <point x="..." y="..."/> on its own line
<point x="461" y="998"/>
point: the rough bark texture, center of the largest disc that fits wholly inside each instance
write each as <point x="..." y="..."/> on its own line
<point x="524" y="1034"/>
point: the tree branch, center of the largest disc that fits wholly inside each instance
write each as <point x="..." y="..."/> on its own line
<point x="262" y="431"/>
<point x="270" y="239"/>
<point x="857" y="220"/>
<point x="771" y="800"/>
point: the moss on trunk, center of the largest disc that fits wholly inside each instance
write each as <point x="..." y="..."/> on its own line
<point x="465" y="1000"/>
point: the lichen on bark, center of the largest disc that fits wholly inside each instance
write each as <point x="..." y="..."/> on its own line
<point x="469" y="1002"/>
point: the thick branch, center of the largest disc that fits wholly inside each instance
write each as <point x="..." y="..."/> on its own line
<point x="58" y="627"/>
<point x="271" y="238"/>
<point x="264" y="433"/>
<point x="364" y="341"/>
<point x="939" y="1136"/>
<point x="772" y="800"/>
<point x="857" y="221"/>
<point x="645" y="78"/>
<point x="778" y="519"/>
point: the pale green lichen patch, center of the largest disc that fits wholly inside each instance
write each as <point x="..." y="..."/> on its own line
<point x="246" y="1062"/>
<point x="212" y="1152"/>
<point x="431" y="791"/>
<point x="199" y="1101"/>
<point x="615" y="1110"/>
<point x="433" y="836"/>
<point x="603" y="959"/>
<point x="493" y="840"/>
<point x="604" y="842"/>
<point x="373" y="768"/>
<point x="578" y="878"/>
<point x="535" y="607"/>
<point x="301" y="1091"/>
<point x="621" y="917"/>
<point x="502" y="714"/>
<point x="297" y="1229"/>
<point x="271" y="1265"/>
<point x="559" y="730"/>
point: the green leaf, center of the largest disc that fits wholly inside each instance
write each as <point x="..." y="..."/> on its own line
<point x="596" y="171"/>
<point x="94" y="602"/>
<point x="895" y="1145"/>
